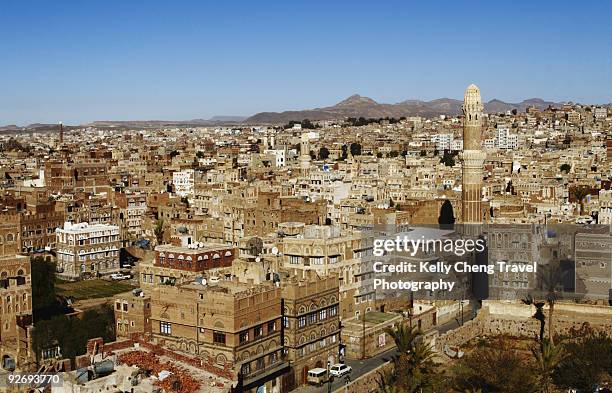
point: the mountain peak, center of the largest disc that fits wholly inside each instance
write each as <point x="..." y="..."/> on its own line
<point x="356" y="99"/>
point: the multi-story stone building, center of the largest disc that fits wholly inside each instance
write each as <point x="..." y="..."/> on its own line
<point x="230" y="324"/>
<point x="593" y="256"/>
<point x="325" y="250"/>
<point x="132" y="313"/>
<point x="16" y="312"/>
<point x="605" y="207"/>
<point x="516" y="245"/>
<point x="177" y="264"/>
<point x="311" y="322"/>
<point x="10" y="234"/>
<point x="38" y="229"/>
<point x="132" y="208"/>
<point x="85" y="250"/>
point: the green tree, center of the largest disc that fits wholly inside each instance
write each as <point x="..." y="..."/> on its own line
<point x="414" y="369"/>
<point x="579" y="194"/>
<point x="448" y="158"/>
<point x="588" y="359"/>
<point x="394" y="153"/>
<point x="355" y="149"/>
<point x="565" y="168"/>
<point x="323" y="153"/>
<point x="71" y="333"/>
<point x="494" y="368"/>
<point x="344" y="152"/>
<point x="44" y="296"/>
<point x="446" y="219"/>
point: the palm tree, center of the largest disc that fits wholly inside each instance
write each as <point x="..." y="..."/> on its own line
<point x="421" y="366"/>
<point x="547" y="357"/>
<point x="414" y="363"/>
<point x="386" y="382"/>
<point x="539" y="314"/>
<point x="403" y="336"/>
<point x="551" y="276"/>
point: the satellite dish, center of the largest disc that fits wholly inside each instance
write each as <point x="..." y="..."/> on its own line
<point x="274" y="250"/>
<point x="257" y="259"/>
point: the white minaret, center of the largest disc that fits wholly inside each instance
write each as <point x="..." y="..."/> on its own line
<point x="473" y="158"/>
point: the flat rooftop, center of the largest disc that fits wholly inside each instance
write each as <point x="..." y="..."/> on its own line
<point x="187" y="250"/>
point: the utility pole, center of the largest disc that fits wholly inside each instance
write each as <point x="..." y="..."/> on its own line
<point x="363" y="335"/>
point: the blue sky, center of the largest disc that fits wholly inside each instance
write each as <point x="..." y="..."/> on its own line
<point x="79" y="61"/>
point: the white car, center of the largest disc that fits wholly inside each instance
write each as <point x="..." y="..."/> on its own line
<point x="338" y="370"/>
<point x="119" y="276"/>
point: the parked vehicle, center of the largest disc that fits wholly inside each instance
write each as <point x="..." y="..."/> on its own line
<point x="317" y="376"/>
<point x="338" y="370"/>
<point x="119" y="276"/>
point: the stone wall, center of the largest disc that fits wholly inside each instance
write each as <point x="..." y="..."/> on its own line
<point x="515" y="319"/>
<point x="367" y="383"/>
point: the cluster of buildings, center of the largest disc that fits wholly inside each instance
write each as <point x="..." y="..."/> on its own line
<point x="255" y="244"/>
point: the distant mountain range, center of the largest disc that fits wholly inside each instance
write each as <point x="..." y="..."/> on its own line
<point x="354" y="106"/>
<point x="215" y="120"/>
<point x="359" y="106"/>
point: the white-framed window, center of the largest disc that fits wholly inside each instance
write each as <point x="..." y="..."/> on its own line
<point x="316" y="260"/>
<point x="165" y="327"/>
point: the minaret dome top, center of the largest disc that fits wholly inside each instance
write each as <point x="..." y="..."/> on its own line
<point x="472" y="94"/>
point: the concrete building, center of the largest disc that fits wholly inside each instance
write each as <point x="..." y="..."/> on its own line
<point x="506" y="140"/>
<point x="600" y="113"/>
<point x="85" y="250"/>
<point x="184" y="182"/>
